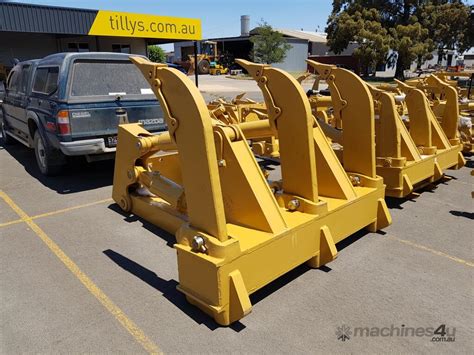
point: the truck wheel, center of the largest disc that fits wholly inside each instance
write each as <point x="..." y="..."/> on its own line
<point x="218" y="72"/>
<point x="50" y="162"/>
<point x="7" y="140"/>
<point x="203" y="66"/>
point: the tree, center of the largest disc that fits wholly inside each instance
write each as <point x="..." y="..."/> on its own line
<point x="363" y="26"/>
<point x="410" y="42"/>
<point x="156" y="54"/>
<point x="413" y="29"/>
<point x="269" y="46"/>
<point x="451" y="24"/>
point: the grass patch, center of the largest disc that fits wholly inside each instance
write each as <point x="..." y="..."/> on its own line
<point x="375" y="80"/>
<point x="239" y="77"/>
<point x="248" y="77"/>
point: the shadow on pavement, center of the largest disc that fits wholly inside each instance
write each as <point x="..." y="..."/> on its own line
<point x="78" y="175"/>
<point x="396" y="203"/>
<point x="468" y="215"/>
<point x="130" y="217"/>
<point x="168" y="289"/>
<point x="283" y="280"/>
<point x="469" y="160"/>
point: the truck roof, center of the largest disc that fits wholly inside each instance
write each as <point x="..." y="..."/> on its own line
<point x="60" y="58"/>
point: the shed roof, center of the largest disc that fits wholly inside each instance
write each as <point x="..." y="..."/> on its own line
<point x="20" y="17"/>
<point x="307" y="35"/>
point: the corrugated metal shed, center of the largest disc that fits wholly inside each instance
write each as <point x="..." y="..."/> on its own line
<point x="307" y="35"/>
<point x="18" y="17"/>
<point x="310" y="36"/>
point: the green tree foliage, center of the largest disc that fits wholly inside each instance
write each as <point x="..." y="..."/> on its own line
<point x="412" y="28"/>
<point x="450" y="24"/>
<point x="269" y="46"/>
<point x="156" y="54"/>
<point x="411" y="42"/>
<point x="361" y="25"/>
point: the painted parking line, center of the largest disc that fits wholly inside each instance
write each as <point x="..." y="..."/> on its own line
<point x="119" y="315"/>
<point x="432" y="251"/>
<point x="16" y="221"/>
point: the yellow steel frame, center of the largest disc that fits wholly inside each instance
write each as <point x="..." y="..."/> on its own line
<point x="241" y="110"/>
<point x="406" y="158"/>
<point x="429" y="135"/>
<point x="234" y="232"/>
<point x="399" y="161"/>
<point x="446" y="76"/>
<point x="449" y="111"/>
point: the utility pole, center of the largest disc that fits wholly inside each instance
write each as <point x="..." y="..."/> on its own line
<point x="196" y="74"/>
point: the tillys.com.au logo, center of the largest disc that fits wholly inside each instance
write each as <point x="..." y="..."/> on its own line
<point x="441" y="333"/>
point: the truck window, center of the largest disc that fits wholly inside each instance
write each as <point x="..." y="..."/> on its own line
<point x="13" y="80"/>
<point x="25" y="76"/>
<point x="112" y="79"/>
<point x="46" y="80"/>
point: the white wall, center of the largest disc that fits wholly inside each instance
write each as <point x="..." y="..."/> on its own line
<point x="390" y="72"/>
<point x="64" y="41"/>
<point x="24" y="46"/>
<point x="137" y="45"/>
<point x="104" y="44"/>
<point x="295" y="60"/>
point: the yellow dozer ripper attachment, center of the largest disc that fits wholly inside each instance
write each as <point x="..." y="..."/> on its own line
<point x="235" y="231"/>
<point x="465" y="93"/>
<point x="431" y="136"/>
<point x="454" y="115"/>
<point x="399" y="161"/>
<point x="407" y="158"/>
<point x="241" y="110"/>
<point x="238" y="110"/>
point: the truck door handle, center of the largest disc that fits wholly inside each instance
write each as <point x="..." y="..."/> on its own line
<point x="40" y="102"/>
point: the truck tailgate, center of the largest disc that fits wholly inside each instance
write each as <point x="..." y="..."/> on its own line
<point x="103" y="119"/>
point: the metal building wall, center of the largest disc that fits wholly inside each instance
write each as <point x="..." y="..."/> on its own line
<point x="34" y="31"/>
<point x="295" y="60"/>
<point x="16" y="17"/>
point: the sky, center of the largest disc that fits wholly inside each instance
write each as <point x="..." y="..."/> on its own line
<point x="219" y="18"/>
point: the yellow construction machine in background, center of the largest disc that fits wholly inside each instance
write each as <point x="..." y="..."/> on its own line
<point x="235" y="231"/>
<point x="207" y="55"/>
<point x="217" y="69"/>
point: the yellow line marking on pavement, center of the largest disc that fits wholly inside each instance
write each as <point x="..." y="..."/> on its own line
<point x="16" y="221"/>
<point x="433" y="251"/>
<point x="57" y="212"/>
<point x="127" y="323"/>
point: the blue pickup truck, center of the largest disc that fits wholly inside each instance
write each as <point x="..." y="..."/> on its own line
<point x="71" y="104"/>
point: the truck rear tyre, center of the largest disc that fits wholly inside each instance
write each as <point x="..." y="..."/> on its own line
<point x="7" y="140"/>
<point x="50" y="162"/>
<point x="203" y="66"/>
